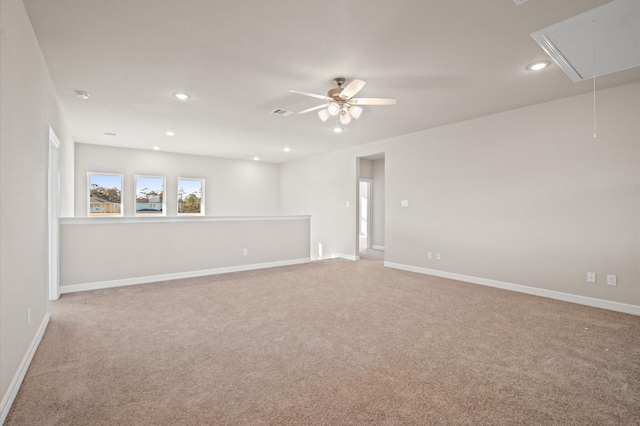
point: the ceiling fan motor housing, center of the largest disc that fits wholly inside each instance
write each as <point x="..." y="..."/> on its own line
<point x="334" y="93"/>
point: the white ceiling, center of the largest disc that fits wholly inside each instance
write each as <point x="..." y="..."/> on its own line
<point x="445" y="61"/>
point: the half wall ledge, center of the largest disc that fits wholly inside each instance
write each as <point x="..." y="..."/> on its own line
<point x="117" y="251"/>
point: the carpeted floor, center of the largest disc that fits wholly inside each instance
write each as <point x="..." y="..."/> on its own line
<point x="329" y="343"/>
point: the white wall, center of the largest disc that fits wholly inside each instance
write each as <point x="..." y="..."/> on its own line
<point x="526" y="197"/>
<point x="366" y="169"/>
<point x="232" y="187"/>
<point x="28" y="107"/>
<point x="377" y="172"/>
<point x="322" y="186"/>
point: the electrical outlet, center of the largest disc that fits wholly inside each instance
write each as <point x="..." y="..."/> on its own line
<point x="591" y="277"/>
<point x="404" y="203"/>
<point x="437" y="256"/>
<point x="612" y="280"/>
<point x="429" y="255"/>
<point x="245" y="252"/>
<point x="347" y="204"/>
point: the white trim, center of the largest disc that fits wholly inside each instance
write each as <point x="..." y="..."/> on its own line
<point x="369" y="212"/>
<point x="53" y="138"/>
<point x="176" y="276"/>
<point x="202" y="197"/>
<point x="121" y="194"/>
<point x="53" y="217"/>
<point x="378" y="247"/>
<point x="349" y="257"/>
<point x="171" y="219"/>
<point x="551" y="294"/>
<point x="135" y="195"/>
<point x="10" y="396"/>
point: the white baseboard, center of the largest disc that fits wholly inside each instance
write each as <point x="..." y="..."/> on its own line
<point x="377" y="247"/>
<point x="10" y="396"/>
<point x="349" y="256"/>
<point x="551" y="294"/>
<point x="176" y="276"/>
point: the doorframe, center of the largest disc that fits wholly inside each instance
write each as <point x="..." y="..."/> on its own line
<point x="369" y="212"/>
<point x="53" y="216"/>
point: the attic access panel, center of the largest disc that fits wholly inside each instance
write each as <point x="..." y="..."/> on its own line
<point x="615" y="27"/>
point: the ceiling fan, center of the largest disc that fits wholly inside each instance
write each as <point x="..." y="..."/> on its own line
<point x="341" y="101"/>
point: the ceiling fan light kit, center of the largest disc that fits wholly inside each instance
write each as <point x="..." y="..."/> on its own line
<point x="333" y="108"/>
<point x="341" y="102"/>
<point x="355" y="112"/>
<point x="324" y="114"/>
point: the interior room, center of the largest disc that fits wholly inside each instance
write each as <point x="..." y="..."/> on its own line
<point x="353" y="212"/>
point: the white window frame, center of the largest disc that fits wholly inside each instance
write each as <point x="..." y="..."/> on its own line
<point x="135" y="196"/>
<point x="202" y="192"/>
<point x="89" y="174"/>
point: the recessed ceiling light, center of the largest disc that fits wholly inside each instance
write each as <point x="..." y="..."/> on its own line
<point x="181" y="96"/>
<point x="287" y="149"/>
<point x="537" y="66"/>
<point x="156" y="148"/>
<point x="170" y="133"/>
<point x="337" y="129"/>
<point x="256" y="159"/>
<point x="82" y="95"/>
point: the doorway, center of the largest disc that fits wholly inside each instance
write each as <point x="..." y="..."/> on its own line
<point x="370" y="210"/>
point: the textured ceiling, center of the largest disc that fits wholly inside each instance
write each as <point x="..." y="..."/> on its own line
<point x="445" y="61"/>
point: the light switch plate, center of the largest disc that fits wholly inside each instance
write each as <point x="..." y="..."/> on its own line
<point x="612" y="280"/>
<point x="404" y="203"/>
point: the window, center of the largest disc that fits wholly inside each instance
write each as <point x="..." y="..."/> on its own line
<point x="105" y="194"/>
<point x="190" y="197"/>
<point x="150" y="196"/>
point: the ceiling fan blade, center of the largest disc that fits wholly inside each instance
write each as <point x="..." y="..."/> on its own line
<point x="351" y="89"/>
<point x="372" y="101"/>
<point x="313" y="95"/>
<point x="313" y="109"/>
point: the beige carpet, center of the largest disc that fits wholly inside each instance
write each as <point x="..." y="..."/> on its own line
<point x="329" y="343"/>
